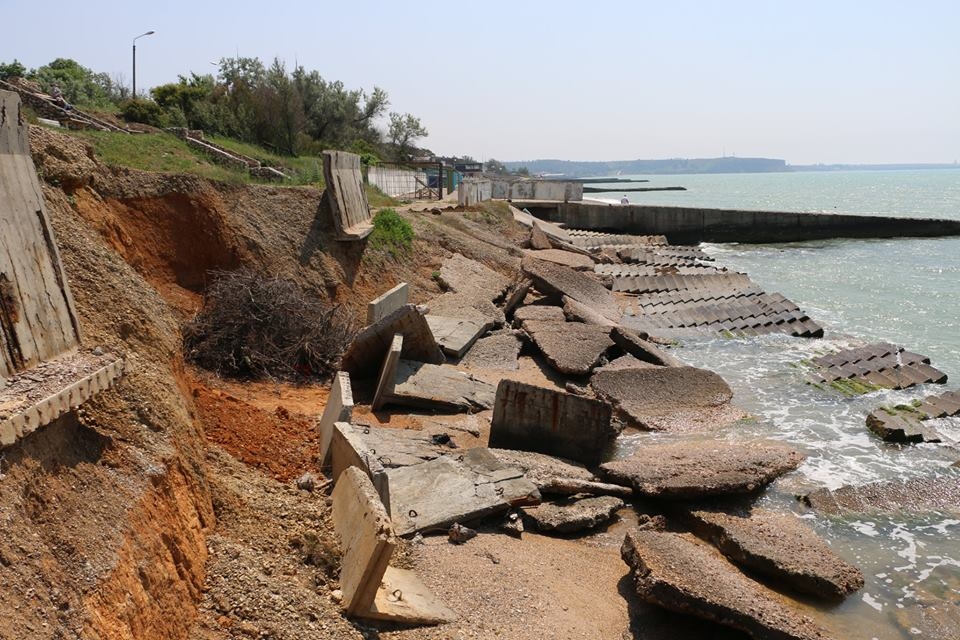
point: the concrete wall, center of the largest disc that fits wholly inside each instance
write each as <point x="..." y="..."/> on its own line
<point x="396" y="182"/>
<point x="686" y="225"/>
<point x="37" y="318"/>
<point x="474" y="190"/>
<point x="512" y="189"/>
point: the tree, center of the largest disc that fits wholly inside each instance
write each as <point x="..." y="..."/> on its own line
<point x="335" y="115"/>
<point x="78" y="84"/>
<point x="12" y="70"/>
<point x="280" y="117"/>
<point x="495" y="166"/>
<point x="404" y="130"/>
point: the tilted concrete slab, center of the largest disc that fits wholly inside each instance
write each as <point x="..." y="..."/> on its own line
<point x="668" y="398"/>
<point x="28" y="403"/>
<point x="456" y="335"/>
<point x="570" y="259"/>
<point x="692" y="469"/>
<point x="496" y="351"/>
<point x="366" y="539"/>
<point x="468" y="306"/>
<point x="371" y="587"/>
<point x="572" y="515"/>
<point x="781" y="547"/>
<point x="572" y="348"/>
<point x="438" y="387"/>
<point x="680" y="573"/>
<point x="345" y="195"/>
<point x="541" y="312"/>
<point x="387" y="303"/>
<point x="366" y="353"/>
<point x="339" y="408"/>
<point x="388" y="373"/>
<point x="348" y="449"/>
<point x="559" y="280"/>
<point x="463" y="275"/>
<point x="438" y="493"/>
<point x="557" y="423"/>
<point x="37" y="317"/>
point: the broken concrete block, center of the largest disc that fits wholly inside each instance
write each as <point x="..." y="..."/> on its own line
<point x="917" y="495"/>
<point x="559" y="280"/>
<point x="347" y="449"/>
<point x="369" y="584"/>
<point x="557" y="476"/>
<point x="579" y="312"/>
<point x="466" y="306"/>
<point x="538" y="312"/>
<point x="551" y="230"/>
<point x="548" y="421"/>
<point x="631" y="342"/>
<point x="346" y="196"/>
<point x="466" y="276"/>
<point x="668" y="398"/>
<point x="456" y="335"/>
<point x="571" y="516"/>
<point x="573" y="348"/>
<point x="539" y="239"/>
<point x="399" y="447"/>
<point x="680" y="573"/>
<point x="781" y="547"/>
<point x="366" y="538"/>
<point x="387" y="303"/>
<point x="438" y="387"/>
<point x="370" y="346"/>
<point x="339" y="408"/>
<point x="388" y="373"/>
<point x="570" y="259"/>
<point x="692" y="469"/>
<point x="515" y="294"/>
<point x="438" y="493"/>
<point x="496" y="351"/>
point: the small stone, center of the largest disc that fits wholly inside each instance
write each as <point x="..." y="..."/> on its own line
<point x="307" y="482"/>
<point x="97" y="351"/>
<point x="336" y="595"/>
<point x="458" y="534"/>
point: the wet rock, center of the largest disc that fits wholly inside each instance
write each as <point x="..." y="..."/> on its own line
<point x="697" y="468"/>
<point x="570" y="516"/>
<point x="572" y="348"/>
<point x="559" y="280"/>
<point x="900" y="426"/>
<point x="916" y="495"/>
<point x="782" y="547"/>
<point x="668" y="398"/>
<point x="930" y="620"/>
<point x="680" y="573"/>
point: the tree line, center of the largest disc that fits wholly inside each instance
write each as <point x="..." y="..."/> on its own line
<point x="292" y="112"/>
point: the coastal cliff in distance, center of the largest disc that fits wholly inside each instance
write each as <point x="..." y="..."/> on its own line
<point x="728" y="164"/>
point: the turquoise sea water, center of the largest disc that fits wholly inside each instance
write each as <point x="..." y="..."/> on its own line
<point x="905" y="291"/>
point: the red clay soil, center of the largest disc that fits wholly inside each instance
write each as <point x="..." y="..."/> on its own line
<point x="278" y="441"/>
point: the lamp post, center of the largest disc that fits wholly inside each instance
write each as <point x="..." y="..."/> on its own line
<point x="148" y="33"/>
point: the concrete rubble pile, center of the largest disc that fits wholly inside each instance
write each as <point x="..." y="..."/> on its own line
<point x="585" y="333"/>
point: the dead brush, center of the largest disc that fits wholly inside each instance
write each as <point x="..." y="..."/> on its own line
<point x="254" y="325"/>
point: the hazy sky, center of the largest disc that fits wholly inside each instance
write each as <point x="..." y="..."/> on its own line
<point x="811" y="81"/>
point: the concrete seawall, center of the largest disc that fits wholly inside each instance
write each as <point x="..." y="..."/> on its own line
<point x="687" y="225"/>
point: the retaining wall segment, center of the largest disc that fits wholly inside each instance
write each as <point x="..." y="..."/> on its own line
<point x="688" y="225"/>
<point x="37" y="317"/>
<point x="548" y="421"/>
<point x="384" y="305"/>
<point x="346" y="196"/>
<point x="339" y="408"/>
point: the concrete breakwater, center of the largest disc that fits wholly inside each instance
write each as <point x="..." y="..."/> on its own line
<point x="688" y="225"/>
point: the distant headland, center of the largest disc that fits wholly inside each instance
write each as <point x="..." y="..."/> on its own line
<point x="726" y="164"/>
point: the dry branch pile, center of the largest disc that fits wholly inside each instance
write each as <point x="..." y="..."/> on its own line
<point x="254" y="325"/>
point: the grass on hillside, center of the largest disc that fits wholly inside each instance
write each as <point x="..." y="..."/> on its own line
<point x="156" y="152"/>
<point x="392" y="235"/>
<point x="303" y="170"/>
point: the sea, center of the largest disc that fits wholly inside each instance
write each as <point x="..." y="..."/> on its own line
<point x="904" y="291"/>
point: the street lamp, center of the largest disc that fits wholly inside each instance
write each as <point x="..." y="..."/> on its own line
<point x="148" y="33"/>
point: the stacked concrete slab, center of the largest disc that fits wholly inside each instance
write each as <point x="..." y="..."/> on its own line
<point x="41" y="374"/>
<point x="345" y="195"/>
<point x="910" y="423"/>
<point x="875" y="366"/>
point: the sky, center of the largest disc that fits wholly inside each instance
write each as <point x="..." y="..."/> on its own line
<point x="834" y="82"/>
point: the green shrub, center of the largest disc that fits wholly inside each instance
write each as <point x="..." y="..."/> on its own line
<point x="391" y="234"/>
<point x="143" y="111"/>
